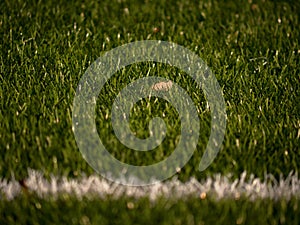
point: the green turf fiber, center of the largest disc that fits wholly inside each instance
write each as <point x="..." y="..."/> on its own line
<point x="252" y="48"/>
<point x="68" y="210"/>
<point x="46" y="48"/>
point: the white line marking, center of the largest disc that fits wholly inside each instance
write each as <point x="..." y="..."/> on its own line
<point x="217" y="186"/>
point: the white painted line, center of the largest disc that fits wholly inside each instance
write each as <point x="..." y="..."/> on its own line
<point x="217" y="186"/>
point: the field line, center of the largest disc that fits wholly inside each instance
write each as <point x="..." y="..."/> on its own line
<point x="217" y="186"/>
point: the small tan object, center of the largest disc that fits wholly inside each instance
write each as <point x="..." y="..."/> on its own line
<point x="162" y="86"/>
<point x="203" y="195"/>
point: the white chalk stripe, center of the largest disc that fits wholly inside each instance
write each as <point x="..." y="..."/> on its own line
<point x="217" y="186"/>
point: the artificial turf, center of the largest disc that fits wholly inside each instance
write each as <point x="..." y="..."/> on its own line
<point x="252" y="47"/>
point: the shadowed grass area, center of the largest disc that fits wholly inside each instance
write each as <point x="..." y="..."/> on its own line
<point x="131" y="211"/>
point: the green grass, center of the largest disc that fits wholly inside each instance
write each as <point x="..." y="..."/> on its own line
<point x="68" y="210"/>
<point x="252" y="48"/>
